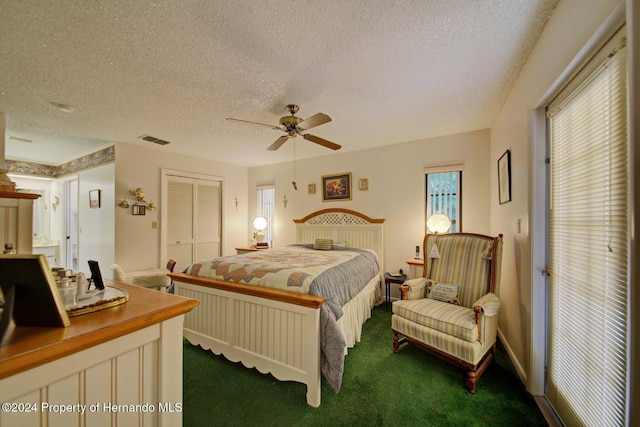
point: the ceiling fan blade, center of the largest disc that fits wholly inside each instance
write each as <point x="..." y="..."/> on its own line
<point x="254" y="123"/>
<point x="313" y="121"/>
<point x="278" y="143"/>
<point x="322" y="142"/>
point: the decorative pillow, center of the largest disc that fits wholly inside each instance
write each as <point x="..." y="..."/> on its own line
<point x="342" y="244"/>
<point x="444" y="292"/>
<point x="323" y="244"/>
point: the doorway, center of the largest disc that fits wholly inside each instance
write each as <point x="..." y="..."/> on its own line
<point x="71" y="224"/>
<point x="587" y="243"/>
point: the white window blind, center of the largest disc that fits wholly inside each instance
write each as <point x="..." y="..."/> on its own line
<point x="588" y="249"/>
<point x="266" y="209"/>
<point x="444" y="184"/>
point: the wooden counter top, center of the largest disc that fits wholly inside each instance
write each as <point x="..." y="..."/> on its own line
<point x="24" y="347"/>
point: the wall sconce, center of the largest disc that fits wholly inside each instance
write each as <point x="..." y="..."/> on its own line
<point x="138" y="210"/>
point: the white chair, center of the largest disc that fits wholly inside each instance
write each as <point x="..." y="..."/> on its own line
<point x="154" y="278"/>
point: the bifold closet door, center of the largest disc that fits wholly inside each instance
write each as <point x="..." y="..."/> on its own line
<point x="193" y="220"/>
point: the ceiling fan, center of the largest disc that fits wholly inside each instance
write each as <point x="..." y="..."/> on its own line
<point x="294" y="126"/>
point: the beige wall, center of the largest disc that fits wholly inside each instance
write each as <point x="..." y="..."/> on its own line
<point x="96" y="226"/>
<point x="396" y="188"/>
<point x="137" y="244"/>
<point x="568" y="30"/>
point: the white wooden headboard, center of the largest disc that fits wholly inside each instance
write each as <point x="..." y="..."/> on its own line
<point x="355" y="228"/>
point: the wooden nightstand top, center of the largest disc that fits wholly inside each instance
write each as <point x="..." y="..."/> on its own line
<point x="245" y="249"/>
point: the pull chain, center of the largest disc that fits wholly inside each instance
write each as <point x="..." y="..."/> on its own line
<point x="295" y="186"/>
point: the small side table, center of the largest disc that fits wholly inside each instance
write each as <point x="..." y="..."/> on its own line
<point x="388" y="280"/>
<point x="416" y="266"/>
<point x="246" y="249"/>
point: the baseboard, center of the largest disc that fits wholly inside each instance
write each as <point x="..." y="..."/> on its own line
<point x="516" y="363"/>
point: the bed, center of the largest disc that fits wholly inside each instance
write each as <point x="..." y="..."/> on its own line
<point x="294" y="331"/>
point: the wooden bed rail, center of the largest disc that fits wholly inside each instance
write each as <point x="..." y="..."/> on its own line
<point x="305" y="300"/>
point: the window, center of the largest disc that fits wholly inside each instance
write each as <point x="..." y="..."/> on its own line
<point x="444" y="193"/>
<point x="266" y="196"/>
<point x="588" y="246"/>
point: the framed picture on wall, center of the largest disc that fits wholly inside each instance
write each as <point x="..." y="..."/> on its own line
<point x="311" y="189"/>
<point x="363" y="184"/>
<point x="336" y="187"/>
<point x="504" y="177"/>
<point x="94" y="199"/>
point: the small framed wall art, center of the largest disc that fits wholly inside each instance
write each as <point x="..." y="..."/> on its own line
<point x="363" y="184"/>
<point x="94" y="199"/>
<point x="138" y="210"/>
<point x="311" y="189"/>
<point x="336" y="187"/>
<point x="504" y="177"/>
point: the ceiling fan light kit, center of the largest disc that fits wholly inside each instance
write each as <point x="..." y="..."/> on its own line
<point x="293" y="126"/>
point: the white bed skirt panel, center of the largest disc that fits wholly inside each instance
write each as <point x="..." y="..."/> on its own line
<point x="358" y="310"/>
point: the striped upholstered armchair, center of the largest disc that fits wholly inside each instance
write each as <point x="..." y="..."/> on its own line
<point x="452" y="311"/>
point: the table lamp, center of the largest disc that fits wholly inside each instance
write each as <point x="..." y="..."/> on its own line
<point x="259" y="224"/>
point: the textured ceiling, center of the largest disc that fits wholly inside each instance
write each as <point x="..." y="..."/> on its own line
<point x="385" y="71"/>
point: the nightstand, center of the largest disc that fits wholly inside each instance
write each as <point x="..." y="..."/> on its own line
<point x="246" y="249"/>
<point x="388" y="280"/>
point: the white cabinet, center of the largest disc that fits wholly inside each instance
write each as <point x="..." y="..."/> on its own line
<point x="129" y="355"/>
<point x="50" y="251"/>
<point x="16" y="221"/>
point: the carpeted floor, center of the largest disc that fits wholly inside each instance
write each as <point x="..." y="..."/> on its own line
<point x="411" y="388"/>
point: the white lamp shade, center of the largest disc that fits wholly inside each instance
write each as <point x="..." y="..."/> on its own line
<point x="438" y="223"/>
<point x="259" y="223"/>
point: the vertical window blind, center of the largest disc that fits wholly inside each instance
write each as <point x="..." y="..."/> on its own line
<point x="588" y="248"/>
<point x="443" y="196"/>
<point x="266" y="208"/>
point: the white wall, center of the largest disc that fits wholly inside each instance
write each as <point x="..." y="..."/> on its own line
<point x="396" y="188"/>
<point x="97" y="231"/>
<point x="137" y="244"/>
<point x="568" y="30"/>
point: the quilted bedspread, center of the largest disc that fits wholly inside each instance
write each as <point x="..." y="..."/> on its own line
<point x="338" y="275"/>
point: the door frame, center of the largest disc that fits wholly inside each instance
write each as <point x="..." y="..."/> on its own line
<point x="536" y="383"/>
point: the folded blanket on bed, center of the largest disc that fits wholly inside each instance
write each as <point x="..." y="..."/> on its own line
<point x="338" y="275"/>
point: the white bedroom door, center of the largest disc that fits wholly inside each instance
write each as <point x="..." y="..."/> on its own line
<point x="193" y="219"/>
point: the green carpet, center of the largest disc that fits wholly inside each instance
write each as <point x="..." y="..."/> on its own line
<point x="378" y="388"/>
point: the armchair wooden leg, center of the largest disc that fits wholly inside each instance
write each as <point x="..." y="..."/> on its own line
<point x="397" y="341"/>
<point x="474" y="374"/>
<point x="472" y="378"/>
